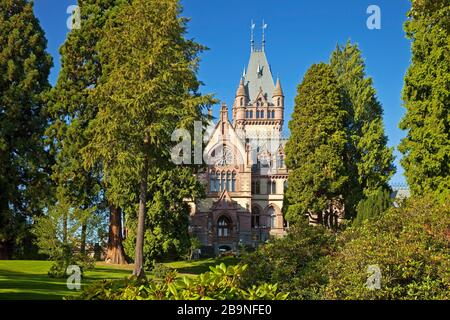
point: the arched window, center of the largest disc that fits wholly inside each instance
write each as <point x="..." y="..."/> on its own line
<point x="272" y="216"/>
<point x="273" y="187"/>
<point x="262" y="114"/>
<point x="246" y="114"/>
<point x="257" y="114"/>
<point x="280" y="160"/>
<point x="242" y="101"/>
<point x="228" y="181"/>
<point x="233" y="182"/>
<point x="268" y="114"/>
<point x="222" y="181"/>
<point x="278" y="102"/>
<point x="212" y="182"/>
<point x="255" y="217"/>
<point x="223" y="227"/>
<point x="251" y="114"/>
<point x="285" y="185"/>
<point x="273" y="114"/>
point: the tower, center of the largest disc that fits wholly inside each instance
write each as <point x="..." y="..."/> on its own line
<point x="258" y="108"/>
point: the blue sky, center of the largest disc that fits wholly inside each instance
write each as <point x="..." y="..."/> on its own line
<point x="299" y="33"/>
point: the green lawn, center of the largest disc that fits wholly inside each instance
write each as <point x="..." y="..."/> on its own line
<point x="26" y="279"/>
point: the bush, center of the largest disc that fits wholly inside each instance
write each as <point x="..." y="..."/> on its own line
<point x="221" y="283"/>
<point x="294" y="262"/>
<point x="410" y="245"/>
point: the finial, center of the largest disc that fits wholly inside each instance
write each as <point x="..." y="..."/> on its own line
<point x="252" y="40"/>
<point x="264" y="27"/>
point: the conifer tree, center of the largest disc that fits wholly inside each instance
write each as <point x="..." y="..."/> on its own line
<point x="149" y="88"/>
<point x="426" y="96"/>
<point x="71" y="111"/>
<point x="370" y="161"/>
<point x="316" y="148"/>
<point x="24" y="70"/>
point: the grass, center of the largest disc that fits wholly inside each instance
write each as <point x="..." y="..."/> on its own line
<point x="28" y="280"/>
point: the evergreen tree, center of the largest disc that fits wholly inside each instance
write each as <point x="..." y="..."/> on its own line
<point x="167" y="220"/>
<point x="373" y="206"/>
<point x="24" y="70"/>
<point x="369" y="159"/>
<point x="315" y="150"/>
<point x="426" y="96"/>
<point x="149" y="88"/>
<point x="71" y="111"/>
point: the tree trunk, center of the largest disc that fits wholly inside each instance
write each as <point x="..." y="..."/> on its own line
<point x="115" y="253"/>
<point x="139" y="257"/>
<point x="83" y="238"/>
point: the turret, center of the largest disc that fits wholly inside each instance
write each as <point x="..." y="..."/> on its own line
<point x="278" y="100"/>
<point x="239" y="105"/>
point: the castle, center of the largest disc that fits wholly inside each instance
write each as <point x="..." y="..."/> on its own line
<point x="246" y="174"/>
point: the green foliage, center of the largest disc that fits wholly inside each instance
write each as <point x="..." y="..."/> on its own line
<point x="316" y="147"/>
<point x="221" y="283"/>
<point x="294" y="262"/>
<point x="24" y="164"/>
<point x="369" y="160"/>
<point x="373" y="206"/>
<point x="167" y="220"/>
<point x="409" y="244"/>
<point x="57" y="236"/>
<point x="426" y="96"/>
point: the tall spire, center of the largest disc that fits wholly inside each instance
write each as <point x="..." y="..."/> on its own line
<point x="264" y="26"/>
<point x="252" y="39"/>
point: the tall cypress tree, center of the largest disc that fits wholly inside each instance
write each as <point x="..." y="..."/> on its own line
<point x="24" y="70"/>
<point x="426" y="96"/>
<point x="316" y="148"/>
<point x="149" y="89"/>
<point x="369" y="159"/>
<point x="72" y="110"/>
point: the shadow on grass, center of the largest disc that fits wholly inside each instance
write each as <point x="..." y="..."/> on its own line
<point x="203" y="266"/>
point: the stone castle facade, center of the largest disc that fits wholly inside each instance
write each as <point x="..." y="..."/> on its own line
<point x="246" y="175"/>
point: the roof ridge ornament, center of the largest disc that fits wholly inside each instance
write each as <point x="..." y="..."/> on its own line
<point x="264" y="27"/>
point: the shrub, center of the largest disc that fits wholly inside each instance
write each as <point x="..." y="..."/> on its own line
<point x="293" y="262"/>
<point x="410" y="245"/>
<point x="221" y="283"/>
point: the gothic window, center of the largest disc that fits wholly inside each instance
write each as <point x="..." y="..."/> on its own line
<point x="273" y="114"/>
<point x="223" y="227"/>
<point x="228" y="181"/>
<point x="242" y="101"/>
<point x="272" y="215"/>
<point x="280" y="161"/>
<point x="233" y="182"/>
<point x="257" y="114"/>
<point x="268" y="114"/>
<point x="274" y="187"/>
<point x="262" y="114"/>
<point x="222" y="181"/>
<point x="255" y="217"/>
<point x="278" y="101"/>
<point x="212" y="182"/>
<point x="251" y="114"/>
<point x="246" y="114"/>
<point x="256" y="187"/>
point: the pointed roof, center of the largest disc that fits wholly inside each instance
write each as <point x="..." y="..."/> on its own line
<point x="278" y="90"/>
<point x="241" y="89"/>
<point x="258" y="75"/>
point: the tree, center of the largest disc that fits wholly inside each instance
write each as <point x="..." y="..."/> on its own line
<point x="24" y="164"/>
<point x="71" y="110"/>
<point x="315" y="149"/>
<point x="148" y="89"/>
<point x="407" y="245"/>
<point x="167" y="220"/>
<point x="426" y="96"/>
<point x="369" y="160"/>
<point x="373" y="206"/>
